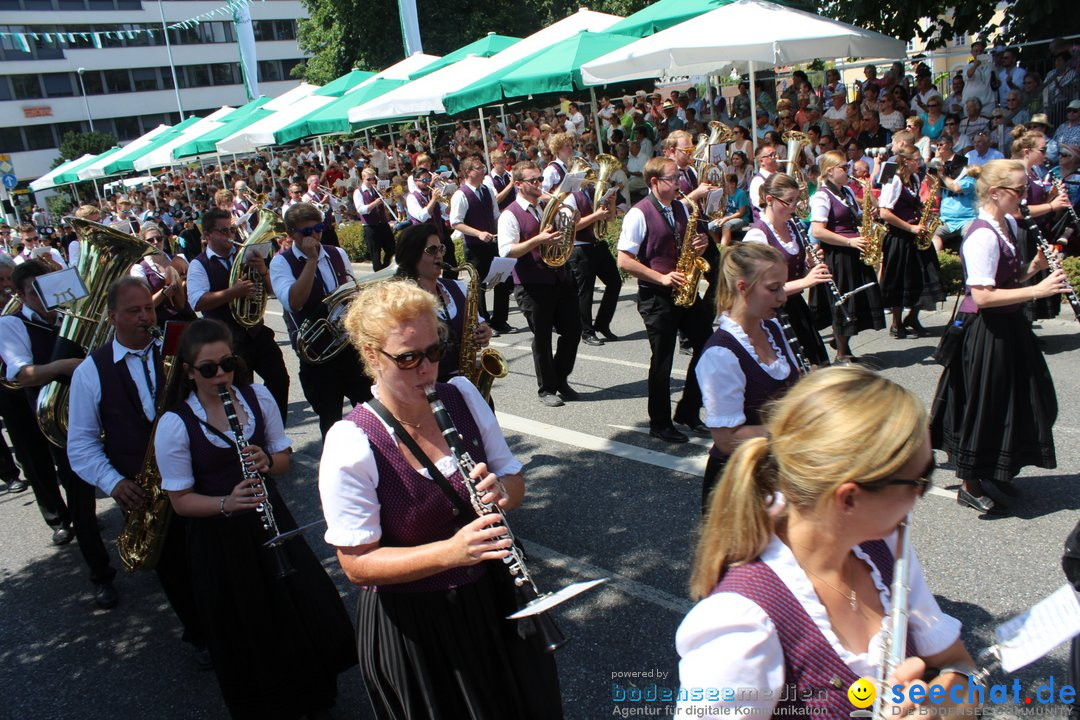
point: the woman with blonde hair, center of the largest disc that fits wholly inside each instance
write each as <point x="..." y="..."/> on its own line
<point x="795" y="557"/>
<point x="995" y="404"/>
<point x="432" y="633"/>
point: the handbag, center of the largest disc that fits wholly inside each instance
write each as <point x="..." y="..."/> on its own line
<point x="949" y="345"/>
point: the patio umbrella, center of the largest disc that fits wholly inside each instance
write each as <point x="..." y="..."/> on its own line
<point x="490" y="44"/>
<point x="47" y="180"/>
<point x="237" y="119"/>
<point x="161" y="154"/>
<point x="345" y="83"/>
<point x="97" y="169"/>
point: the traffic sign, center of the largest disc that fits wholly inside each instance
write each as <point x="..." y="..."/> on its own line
<point x="10" y="181"/>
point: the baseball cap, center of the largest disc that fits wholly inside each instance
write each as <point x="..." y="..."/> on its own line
<point x="1074" y="105"/>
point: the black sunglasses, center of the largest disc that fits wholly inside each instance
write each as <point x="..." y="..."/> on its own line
<point x="309" y="231"/>
<point x="209" y="370"/>
<point x="921" y="484"/>
<point x="413" y="358"/>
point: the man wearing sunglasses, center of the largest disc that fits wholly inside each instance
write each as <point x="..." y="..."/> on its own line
<point x="546" y="295"/>
<point x="767" y="165"/>
<point x="371" y="207"/>
<point x="114" y="398"/>
<point x="210" y="294"/>
<point x="33" y="247"/>
<point x="303" y="276"/>
<point x="423" y="206"/>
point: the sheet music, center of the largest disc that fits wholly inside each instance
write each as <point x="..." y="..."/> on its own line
<point x="572" y="182"/>
<point x="501" y="268"/>
<point x="551" y="600"/>
<point x="60" y="287"/>
<point x="1038" y="630"/>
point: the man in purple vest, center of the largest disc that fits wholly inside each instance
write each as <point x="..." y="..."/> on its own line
<point x="424" y="207"/>
<point x="378" y="235"/>
<point x="501" y="180"/>
<point x="474" y="217"/>
<point x="545" y="295"/>
<point x="767" y="165"/>
<point x="649" y="247"/>
<point x="26" y="345"/>
<point x="210" y="293"/>
<point x="303" y="276"/>
<point x="115" y="396"/>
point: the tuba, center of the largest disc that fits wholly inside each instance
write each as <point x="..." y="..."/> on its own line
<point x="558" y="215"/>
<point x="11" y="307"/>
<point x="690" y="263"/>
<point x="796" y="142"/>
<point x="719" y="134"/>
<point x="105" y="254"/>
<point x="930" y="220"/>
<point x="248" y="311"/>
<point x="607" y="164"/>
<point x="319" y="340"/>
<point x="482" y="366"/>
<point x="873" y="233"/>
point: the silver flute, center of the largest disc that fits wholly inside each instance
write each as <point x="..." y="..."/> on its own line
<point x="811" y="262"/>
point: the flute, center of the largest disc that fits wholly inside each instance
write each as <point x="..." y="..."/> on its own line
<point x="1051" y="259"/>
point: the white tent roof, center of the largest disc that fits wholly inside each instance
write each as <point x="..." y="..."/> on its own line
<point x="45" y="181"/>
<point x="261" y="133"/>
<point x="162" y="156"/>
<point x="744" y="31"/>
<point x="424" y="95"/>
<point x="299" y="92"/>
<point x="96" y="170"/>
<point x="402" y="69"/>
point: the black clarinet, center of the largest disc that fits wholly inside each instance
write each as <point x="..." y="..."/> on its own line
<point x="793" y="341"/>
<point x="811" y="261"/>
<point x="265" y="509"/>
<point x="1051" y="259"/>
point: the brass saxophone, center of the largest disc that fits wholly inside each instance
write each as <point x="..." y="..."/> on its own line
<point x="929" y="219"/>
<point x="873" y="233"/>
<point x="11" y="307"/>
<point x="482" y="366"/>
<point x="690" y="263"/>
<point x="249" y="311"/>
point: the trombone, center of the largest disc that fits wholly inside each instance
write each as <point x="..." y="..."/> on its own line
<point x="389" y="202"/>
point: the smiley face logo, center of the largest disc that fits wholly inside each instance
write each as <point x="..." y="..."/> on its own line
<point x="862" y="693"/>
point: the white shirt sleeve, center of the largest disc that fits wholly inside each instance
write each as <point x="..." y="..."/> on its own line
<point x="493" y="194"/>
<point x="819" y="207"/>
<point x="281" y="277"/>
<point x="509" y="232"/>
<point x="358" y="202"/>
<point x="14" y="345"/>
<point x="459" y="205"/>
<point x="723" y="388"/>
<point x="137" y="270"/>
<point x="73" y="249"/>
<point x="172" y="450"/>
<point x="198" y="283"/>
<point x="416" y="210"/>
<point x="890" y="193"/>
<point x="981" y="255"/>
<point x="85" y="449"/>
<point x="274" y="438"/>
<point x="550" y="174"/>
<point x="755" y="235"/>
<point x="633" y="231"/>
<point x="755" y="191"/>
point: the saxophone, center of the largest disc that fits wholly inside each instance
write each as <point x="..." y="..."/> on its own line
<point x="873" y="233"/>
<point x="482" y="366"/>
<point x="929" y="219"/>
<point x="690" y="263"/>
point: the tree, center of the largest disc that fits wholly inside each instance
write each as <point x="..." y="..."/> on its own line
<point x="77" y="144"/>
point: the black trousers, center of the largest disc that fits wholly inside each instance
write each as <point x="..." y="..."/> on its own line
<point x="8" y="469"/>
<point x="263" y="357"/>
<point x="173" y="571"/>
<point x="550" y="308"/>
<point x="32" y="451"/>
<point x="326" y="386"/>
<point x="379" y="239"/>
<point x="480" y="255"/>
<point x="82" y="503"/>
<point x="663" y="322"/>
<point x="589" y="262"/>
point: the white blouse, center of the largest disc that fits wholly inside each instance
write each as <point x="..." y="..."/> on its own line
<point x="728" y="641"/>
<point x="722" y="381"/>
<point x="173" y="446"/>
<point x="757" y="235"/>
<point x="981" y="252"/>
<point x="890" y="193"/>
<point x="349" y="477"/>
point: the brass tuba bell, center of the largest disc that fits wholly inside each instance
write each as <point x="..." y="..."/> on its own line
<point x="719" y="134"/>
<point x="249" y="311"/>
<point x="607" y="165"/>
<point x="559" y="215"/>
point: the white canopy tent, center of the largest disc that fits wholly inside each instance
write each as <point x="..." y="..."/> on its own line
<point x="162" y="156"/>
<point x="96" y="169"/>
<point x="402" y="69"/>
<point x="261" y="133"/>
<point x="46" y="181"/>
<point x="299" y="92"/>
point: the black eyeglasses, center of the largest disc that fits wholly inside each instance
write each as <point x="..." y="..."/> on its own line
<point x="434" y="250"/>
<point x="921" y="484"/>
<point x="309" y="231"/>
<point x="783" y="202"/>
<point x="209" y="370"/>
<point x="413" y="358"/>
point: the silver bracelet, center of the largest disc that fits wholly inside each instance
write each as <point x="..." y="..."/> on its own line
<point x="221" y="507"/>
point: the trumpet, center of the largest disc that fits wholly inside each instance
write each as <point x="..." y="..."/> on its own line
<point x="389" y="201"/>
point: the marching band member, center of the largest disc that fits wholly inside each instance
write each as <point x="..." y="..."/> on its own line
<point x="835" y="218"/>
<point x="546" y="295"/>
<point x="590" y="259"/>
<point x="26" y="345"/>
<point x="767" y="165"/>
<point x="86" y="212"/>
<point x="649" y="248"/>
<point x="803" y="587"/>
<point x="314" y="195"/>
<point x="432" y="637"/>
<point x="28" y="236"/>
<point x="304" y="275"/>
<point x="424" y="207"/>
<point x="561" y="146"/>
<point x="277" y="644"/>
<point x="165" y="277"/>
<point x="995" y="404"/>
<point x="679" y="146"/>
<point x="776" y="227"/>
<point x="370" y="205"/>
<point x="296" y="195"/>
<point x="210" y="294"/>
<point x="501" y="179"/>
<point x="113" y="405"/>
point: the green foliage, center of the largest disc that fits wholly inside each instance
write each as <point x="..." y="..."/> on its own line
<point x="58" y="205"/>
<point x="1072" y="270"/>
<point x="351" y="237"/>
<point x="77" y="144"/>
<point x="952" y="272"/>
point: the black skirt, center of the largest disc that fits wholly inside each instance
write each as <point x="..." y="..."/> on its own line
<point x="933" y="291"/>
<point x="995" y="405"/>
<point x="277" y="644"/>
<point x="452" y="655"/>
<point x="901" y="271"/>
<point x="865" y="310"/>
<point x="802" y="322"/>
<point x="1026" y="249"/>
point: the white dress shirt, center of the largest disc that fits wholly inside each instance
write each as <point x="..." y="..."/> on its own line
<point x="85" y="446"/>
<point x="551" y="175"/>
<point x="15" y="341"/>
<point x="509" y="230"/>
<point x="74" y="248"/>
<point x="981" y="252"/>
<point x="349" y="477"/>
<point x="198" y="282"/>
<point x="459" y="205"/>
<point x="416" y="210"/>
<point x="53" y="253"/>
<point x="755" y="187"/>
<point x="282" y="279"/>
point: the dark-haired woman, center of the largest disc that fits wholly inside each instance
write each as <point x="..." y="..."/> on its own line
<point x="277" y="644"/>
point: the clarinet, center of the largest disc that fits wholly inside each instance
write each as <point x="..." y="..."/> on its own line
<point x="894" y="640"/>
<point x="553" y="638"/>
<point x="264" y="508"/>
<point x="1069" y="209"/>
<point x="811" y="263"/>
<point x="1051" y="259"/>
<point x="793" y="341"/>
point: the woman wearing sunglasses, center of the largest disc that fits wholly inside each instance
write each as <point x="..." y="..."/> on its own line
<point x="995" y="404"/>
<point x="793" y="567"/>
<point x="277" y="644"/>
<point x="434" y="594"/>
<point x="165" y="274"/>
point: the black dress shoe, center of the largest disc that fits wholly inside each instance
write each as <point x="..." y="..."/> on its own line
<point x="550" y="399"/>
<point x="979" y="502"/>
<point x="592" y="340"/>
<point x="106" y="596"/>
<point x="568" y="393"/>
<point x="17" y="485"/>
<point x="898" y="332"/>
<point x="914" y="326"/>
<point x="698" y="428"/>
<point x="62" y="535"/>
<point x="504" y="328"/>
<point x="608" y="335"/>
<point x="668" y="434"/>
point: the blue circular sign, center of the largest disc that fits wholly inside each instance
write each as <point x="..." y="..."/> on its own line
<point x="10" y="181"/>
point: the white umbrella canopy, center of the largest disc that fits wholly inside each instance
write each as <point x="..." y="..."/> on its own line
<point x="744" y="32"/>
<point x="162" y="156"/>
<point x="299" y="92"/>
<point x="261" y="133"/>
<point x="97" y="168"/>
<point x="46" y="181"/>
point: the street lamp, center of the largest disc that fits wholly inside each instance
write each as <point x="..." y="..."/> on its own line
<point x="85" y="101"/>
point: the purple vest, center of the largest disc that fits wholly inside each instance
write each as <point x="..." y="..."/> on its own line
<point x="1037" y="194"/>
<point x="127" y="431"/>
<point x="377" y="216"/>
<point x="760" y="386"/>
<point x="314" y="307"/>
<point x="1007" y="275"/>
<point x="842" y="219"/>
<point x="530" y="269"/>
<point x="500" y="182"/>
<point x="584" y="206"/>
<point x="811" y="664"/>
<point x="448" y="366"/>
<point x="42" y="342"/>
<point x="796" y="264"/>
<point x="560" y="172"/>
<point x="908" y="207"/>
<point x="156" y="281"/>
<point x="660" y="247"/>
<point x="436" y="210"/>
<point x="218" y="275"/>
<point x="478" y="214"/>
<point x="688" y="180"/>
<point x="414" y="509"/>
<point x="217" y="470"/>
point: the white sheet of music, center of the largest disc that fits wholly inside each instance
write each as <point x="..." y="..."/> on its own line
<point x="500" y="270"/>
<point x="60" y="288"/>
<point x="1035" y="632"/>
<point x="550" y="600"/>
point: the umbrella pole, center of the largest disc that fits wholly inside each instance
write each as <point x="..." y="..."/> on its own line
<point x="483" y="134"/>
<point x="430" y="137"/>
<point x="753" y="108"/>
<point x="221" y="169"/>
<point x="596" y="119"/>
<point x="74" y="195"/>
<point x="367" y="139"/>
<point x="96" y="191"/>
<point x="153" y="190"/>
<point x="187" y="190"/>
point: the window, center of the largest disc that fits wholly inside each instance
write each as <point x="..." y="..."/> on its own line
<point x="117" y="81"/>
<point x="287" y="66"/>
<point x="5" y="89"/>
<point x="58" y="85"/>
<point x="11" y="139"/>
<point x="145" y="79"/>
<point x="198" y="76"/>
<point x="40" y="137"/>
<point x="269" y="70"/>
<point x="63" y="129"/>
<point x="214" y="32"/>
<point x="127" y="128"/>
<point x="263" y="29"/>
<point x="225" y="73"/>
<point x="72" y="4"/>
<point x="166" y="77"/>
<point x="93" y="83"/>
<point x="285" y="29"/>
<point x="26" y="87"/>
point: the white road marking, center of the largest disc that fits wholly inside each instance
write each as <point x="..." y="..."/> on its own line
<point x="594" y="358"/>
<point x="694" y="440"/>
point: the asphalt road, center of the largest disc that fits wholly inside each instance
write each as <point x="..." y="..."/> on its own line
<point x="604" y="500"/>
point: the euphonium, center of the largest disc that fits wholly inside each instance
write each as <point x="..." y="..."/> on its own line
<point x="607" y="164"/>
<point x="796" y="142"/>
<point x="719" y="134"/>
<point x="482" y="366"/>
<point x="929" y="219"/>
<point x="690" y="263"/>
<point x="248" y="311"/>
<point x="873" y="233"/>
<point x="558" y="215"/>
<point x="105" y="254"/>
<point x="11" y="307"/>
